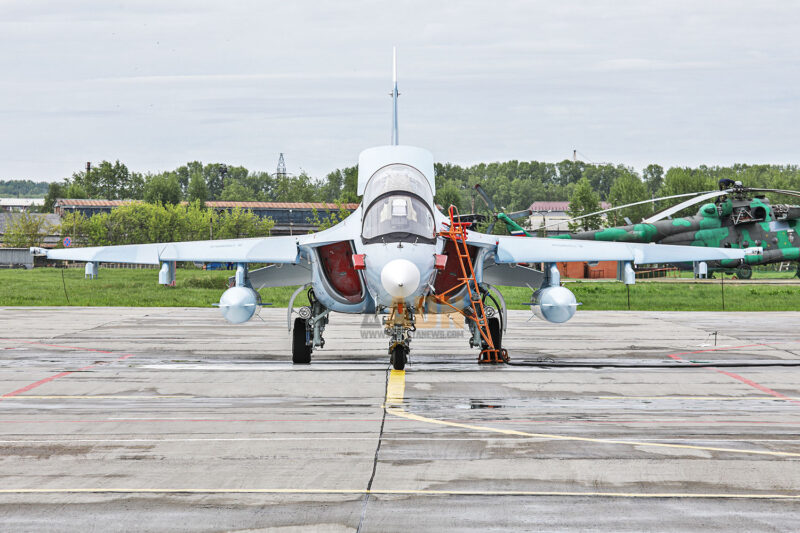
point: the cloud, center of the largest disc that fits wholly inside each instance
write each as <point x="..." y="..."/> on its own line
<point x="155" y="82"/>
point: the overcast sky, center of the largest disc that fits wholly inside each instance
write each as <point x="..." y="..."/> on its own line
<point x="158" y="83"/>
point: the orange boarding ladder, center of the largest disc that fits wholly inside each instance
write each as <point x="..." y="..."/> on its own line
<point x="457" y="232"/>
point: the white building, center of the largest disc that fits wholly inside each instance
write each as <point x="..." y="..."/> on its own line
<point x="17" y="205"/>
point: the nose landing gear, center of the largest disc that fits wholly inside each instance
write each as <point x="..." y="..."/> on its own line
<point x="398" y="325"/>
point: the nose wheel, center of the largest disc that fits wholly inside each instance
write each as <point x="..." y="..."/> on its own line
<point x="399" y="356"/>
<point x="399" y="325"/>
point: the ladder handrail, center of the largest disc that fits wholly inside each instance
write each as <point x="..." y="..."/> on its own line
<point x="457" y="232"/>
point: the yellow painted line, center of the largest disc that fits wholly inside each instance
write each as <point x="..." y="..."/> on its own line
<point x="84" y="397"/>
<point x="393" y="409"/>
<point x="762" y="496"/>
<point x="396" y="387"/>
<point x="721" y="398"/>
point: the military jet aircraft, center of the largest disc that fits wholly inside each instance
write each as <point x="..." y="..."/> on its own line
<point x="396" y="255"/>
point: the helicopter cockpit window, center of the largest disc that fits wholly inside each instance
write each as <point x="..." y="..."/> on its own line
<point x="398" y="199"/>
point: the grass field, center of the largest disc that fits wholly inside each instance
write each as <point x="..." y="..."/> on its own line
<point x="198" y="288"/>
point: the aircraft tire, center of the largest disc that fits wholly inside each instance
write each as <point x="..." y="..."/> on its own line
<point x="301" y="352"/>
<point x="399" y="357"/>
<point x="744" y="272"/>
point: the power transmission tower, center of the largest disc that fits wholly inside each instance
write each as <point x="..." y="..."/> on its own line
<point x="281" y="170"/>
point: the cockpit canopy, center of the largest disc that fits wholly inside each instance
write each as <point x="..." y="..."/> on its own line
<point x="397" y="178"/>
<point x="398" y="199"/>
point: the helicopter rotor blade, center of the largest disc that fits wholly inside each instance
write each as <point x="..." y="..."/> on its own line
<point x="776" y="191"/>
<point x="683" y="205"/>
<point x="520" y="214"/>
<point x="488" y="201"/>
<point x="617" y="208"/>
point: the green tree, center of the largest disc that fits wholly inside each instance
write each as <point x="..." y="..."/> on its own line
<point x="583" y="201"/>
<point x="569" y="171"/>
<point x="54" y="191"/>
<point x="110" y="182"/>
<point x="25" y="229"/>
<point x="74" y="225"/>
<point x="449" y="193"/>
<point x="350" y="186"/>
<point x="238" y="223"/>
<point x="163" y="188"/>
<point x="197" y="191"/>
<point x="653" y="177"/>
<point x="628" y="188"/>
<point x="236" y="191"/>
<point x="23" y="188"/>
<point x="215" y="174"/>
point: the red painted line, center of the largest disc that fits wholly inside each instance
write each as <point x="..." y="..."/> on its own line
<point x="748" y="382"/>
<point x="60" y="374"/>
<point x="758" y="386"/>
<point x="34" y="385"/>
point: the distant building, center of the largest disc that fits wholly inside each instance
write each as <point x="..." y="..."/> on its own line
<point x="18" y="205"/>
<point x="87" y="207"/>
<point x="289" y="217"/>
<point x="51" y="221"/>
<point x="553" y="213"/>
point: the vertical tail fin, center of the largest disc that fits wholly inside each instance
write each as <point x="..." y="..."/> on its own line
<point x="395" y="94"/>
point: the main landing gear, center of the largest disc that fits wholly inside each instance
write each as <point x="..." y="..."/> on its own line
<point x="398" y="325"/>
<point x="307" y="330"/>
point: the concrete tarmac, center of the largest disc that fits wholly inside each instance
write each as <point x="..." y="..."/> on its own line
<point x="163" y="419"/>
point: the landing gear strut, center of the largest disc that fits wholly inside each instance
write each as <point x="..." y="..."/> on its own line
<point x="308" y="328"/>
<point x="398" y="325"/>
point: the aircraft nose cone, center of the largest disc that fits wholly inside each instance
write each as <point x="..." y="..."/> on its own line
<point x="400" y="278"/>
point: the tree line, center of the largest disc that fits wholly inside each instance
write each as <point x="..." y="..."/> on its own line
<point x="23" y="188"/>
<point x="138" y="223"/>
<point x="513" y="185"/>
<point x="198" y="182"/>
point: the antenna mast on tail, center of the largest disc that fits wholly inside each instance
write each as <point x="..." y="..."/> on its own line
<point x="395" y="94"/>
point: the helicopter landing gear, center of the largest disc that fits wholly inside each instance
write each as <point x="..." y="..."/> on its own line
<point x="744" y="272"/>
<point x="398" y="325"/>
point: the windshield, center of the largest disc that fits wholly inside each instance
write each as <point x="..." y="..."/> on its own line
<point x="399" y="178"/>
<point x="398" y="217"/>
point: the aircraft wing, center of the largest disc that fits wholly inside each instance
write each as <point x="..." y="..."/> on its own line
<point x="259" y="250"/>
<point x="283" y="249"/>
<point x="536" y="250"/>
